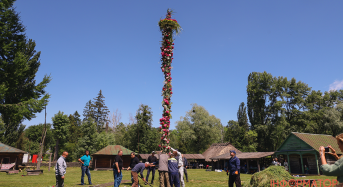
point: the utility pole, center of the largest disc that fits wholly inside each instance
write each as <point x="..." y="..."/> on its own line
<point x="42" y="143"/>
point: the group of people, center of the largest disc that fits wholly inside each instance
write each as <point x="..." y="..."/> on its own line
<point x="171" y="168"/>
<point x="61" y="168"/>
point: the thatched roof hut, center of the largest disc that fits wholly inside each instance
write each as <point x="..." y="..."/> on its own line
<point x="217" y="149"/>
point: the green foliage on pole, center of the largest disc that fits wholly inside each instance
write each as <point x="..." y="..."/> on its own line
<point x="169" y="27"/>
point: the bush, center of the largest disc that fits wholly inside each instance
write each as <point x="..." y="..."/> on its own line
<point x="263" y="178"/>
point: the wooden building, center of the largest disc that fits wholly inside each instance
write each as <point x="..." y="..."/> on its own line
<point x="217" y="149"/>
<point x="302" y="149"/>
<point x="255" y="161"/>
<point x="104" y="158"/>
<point x="11" y="155"/>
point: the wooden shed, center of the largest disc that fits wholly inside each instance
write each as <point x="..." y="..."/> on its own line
<point x="253" y="160"/>
<point x="302" y="149"/>
<point x="104" y="158"/>
<point x="10" y="155"/>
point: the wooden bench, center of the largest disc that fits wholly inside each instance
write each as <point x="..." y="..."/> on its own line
<point x="12" y="171"/>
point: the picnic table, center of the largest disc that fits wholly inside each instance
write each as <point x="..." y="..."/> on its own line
<point x="22" y="168"/>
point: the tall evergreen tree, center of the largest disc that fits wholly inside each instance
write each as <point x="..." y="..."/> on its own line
<point x="20" y="96"/>
<point x="242" y="116"/>
<point x="100" y="111"/>
<point x="144" y="138"/>
<point x="88" y="111"/>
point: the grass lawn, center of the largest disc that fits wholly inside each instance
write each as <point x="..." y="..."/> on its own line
<point x="197" y="178"/>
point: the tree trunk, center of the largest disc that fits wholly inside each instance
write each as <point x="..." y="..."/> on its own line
<point x="56" y="150"/>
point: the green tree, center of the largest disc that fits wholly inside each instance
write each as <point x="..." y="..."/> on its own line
<point x="121" y="134"/>
<point x="242" y="116"/>
<point x="100" y="111"/>
<point x="74" y="132"/>
<point x="199" y="129"/>
<point x="88" y="141"/>
<point x="333" y="119"/>
<point x="88" y="111"/>
<point x="20" y="96"/>
<point x="104" y="139"/>
<point x="143" y="138"/>
<point x="61" y="126"/>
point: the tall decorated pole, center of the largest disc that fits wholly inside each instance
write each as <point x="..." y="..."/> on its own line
<point x="169" y="27"/>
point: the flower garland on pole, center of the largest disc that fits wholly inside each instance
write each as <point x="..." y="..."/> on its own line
<point x="168" y="27"/>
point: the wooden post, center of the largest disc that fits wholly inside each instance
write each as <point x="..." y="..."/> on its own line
<point x="317" y="163"/>
<point x="110" y="162"/>
<point x="289" y="163"/>
<point x="16" y="163"/>
<point x="302" y="166"/>
<point x="258" y="165"/>
<point x="248" y="166"/>
<point x="50" y="161"/>
<point x="95" y="164"/>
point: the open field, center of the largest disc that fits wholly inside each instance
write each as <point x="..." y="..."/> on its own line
<point x="197" y="178"/>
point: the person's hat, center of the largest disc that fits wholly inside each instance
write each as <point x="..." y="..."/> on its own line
<point x="153" y="152"/>
<point x="232" y="151"/>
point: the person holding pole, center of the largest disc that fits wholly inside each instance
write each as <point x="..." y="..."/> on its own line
<point x="180" y="165"/>
<point x="86" y="161"/>
<point x="139" y="168"/>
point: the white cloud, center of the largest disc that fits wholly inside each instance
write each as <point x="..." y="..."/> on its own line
<point x="337" y="85"/>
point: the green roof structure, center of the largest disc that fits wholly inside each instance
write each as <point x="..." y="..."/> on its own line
<point x="8" y="149"/>
<point x="313" y="141"/>
<point x="113" y="150"/>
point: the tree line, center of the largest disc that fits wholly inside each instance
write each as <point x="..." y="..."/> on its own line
<point x="275" y="107"/>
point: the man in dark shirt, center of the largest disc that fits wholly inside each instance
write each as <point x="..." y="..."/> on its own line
<point x="234" y="167"/>
<point x="152" y="160"/>
<point x="117" y="167"/>
<point x="139" y="168"/>
<point x="185" y="165"/>
<point x="133" y="163"/>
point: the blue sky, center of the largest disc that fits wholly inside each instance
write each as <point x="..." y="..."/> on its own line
<point x="114" y="45"/>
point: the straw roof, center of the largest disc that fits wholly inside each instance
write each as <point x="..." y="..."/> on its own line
<point x="244" y="155"/>
<point x="217" y="149"/>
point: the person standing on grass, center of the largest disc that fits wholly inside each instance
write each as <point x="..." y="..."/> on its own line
<point x="153" y="161"/>
<point x="133" y="163"/>
<point x="117" y="167"/>
<point x="61" y="169"/>
<point x="180" y="165"/>
<point x="173" y="169"/>
<point x="163" y="170"/>
<point x="139" y="168"/>
<point x="234" y="167"/>
<point x="86" y="161"/>
<point x="185" y="165"/>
